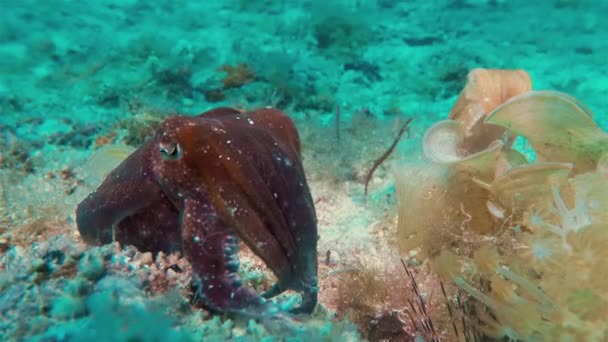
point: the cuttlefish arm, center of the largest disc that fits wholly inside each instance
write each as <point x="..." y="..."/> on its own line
<point x="213" y="248"/>
<point x="127" y="189"/>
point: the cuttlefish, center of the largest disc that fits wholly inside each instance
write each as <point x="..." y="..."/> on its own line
<point x="201" y="184"/>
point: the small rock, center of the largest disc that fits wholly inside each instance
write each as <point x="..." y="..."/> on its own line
<point x="171" y="274"/>
<point x="91" y="265"/>
<point x="67" y="306"/>
<point x="5" y="243"/>
<point x="146" y="258"/>
<point x="389" y="327"/>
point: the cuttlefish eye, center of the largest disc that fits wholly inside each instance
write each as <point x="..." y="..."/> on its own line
<point x="170" y="151"/>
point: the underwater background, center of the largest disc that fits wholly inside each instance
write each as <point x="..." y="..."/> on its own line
<point x="447" y="240"/>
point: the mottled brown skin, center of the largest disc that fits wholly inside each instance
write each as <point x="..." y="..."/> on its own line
<point x="201" y="184"/>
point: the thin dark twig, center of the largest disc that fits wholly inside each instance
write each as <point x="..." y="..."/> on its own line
<point x="409" y="314"/>
<point x="464" y="312"/>
<point x="415" y="287"/>
<point x="412" y="306"/>
<point x="447" y="303"/>
<point x="427" y="322"/>
<point x="425" y="326"/>
<point x="386" y="154"/>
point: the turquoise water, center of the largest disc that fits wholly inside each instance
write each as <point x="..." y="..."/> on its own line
<point x="77" y="77"/>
